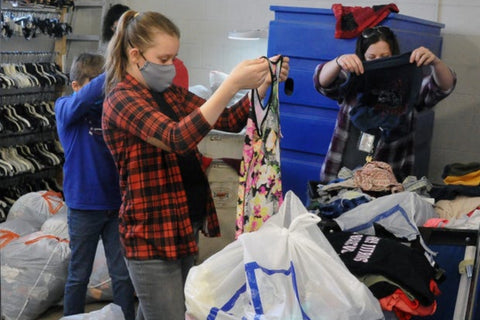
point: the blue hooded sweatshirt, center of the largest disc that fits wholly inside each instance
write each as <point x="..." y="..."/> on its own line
<point x="90" y="177"/>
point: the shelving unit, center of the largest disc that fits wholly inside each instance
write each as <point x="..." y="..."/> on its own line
<point x="85" y="20"/>
<point x="30" y="94"/>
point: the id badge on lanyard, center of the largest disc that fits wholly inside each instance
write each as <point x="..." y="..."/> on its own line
<point x="366" y="143"/>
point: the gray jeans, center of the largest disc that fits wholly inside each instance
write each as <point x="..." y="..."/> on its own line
<point x="159" y="286"/>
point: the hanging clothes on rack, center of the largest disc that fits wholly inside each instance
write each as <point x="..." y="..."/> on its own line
<point x="260" y="186"/>
<point x="30" y="22"/>
<point x="31" y="79"/>
<point x="36" y="73"/>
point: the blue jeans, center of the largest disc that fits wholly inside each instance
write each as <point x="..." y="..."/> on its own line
<point x="85" y="229"/>
<point x="159" y="287"/>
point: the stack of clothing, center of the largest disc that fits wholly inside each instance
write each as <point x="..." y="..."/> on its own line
<point x="467" y="174"/>
<point x="399" y="276"/>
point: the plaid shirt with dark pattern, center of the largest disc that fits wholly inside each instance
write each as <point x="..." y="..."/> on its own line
<point x="154" y="217"/>
<point x="399" y="153"/>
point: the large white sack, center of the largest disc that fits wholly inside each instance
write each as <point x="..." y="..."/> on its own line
<point x="13" y="229"/>
<point x="33" y="274"/>
<point x="57" y="225"/>
<point x="37" y="207"/>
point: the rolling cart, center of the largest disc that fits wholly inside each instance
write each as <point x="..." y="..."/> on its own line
<point x="458" y="254"/>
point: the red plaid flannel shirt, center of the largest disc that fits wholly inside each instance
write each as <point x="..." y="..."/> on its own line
<point x="154" y="219"/>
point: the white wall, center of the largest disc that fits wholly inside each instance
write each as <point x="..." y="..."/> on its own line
<point x="204" y="46"/>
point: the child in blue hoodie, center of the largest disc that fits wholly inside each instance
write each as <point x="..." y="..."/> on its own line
<point x="91" y="187"/>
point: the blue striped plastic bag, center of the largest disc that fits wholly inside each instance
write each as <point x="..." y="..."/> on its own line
<point x="285" y="270"/>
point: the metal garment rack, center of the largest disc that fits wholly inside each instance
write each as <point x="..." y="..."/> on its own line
<point x="27" y="54"/>
<point x="469" y="238"/>
<point x="1" y="312"/>
<point x="472" y="307"/>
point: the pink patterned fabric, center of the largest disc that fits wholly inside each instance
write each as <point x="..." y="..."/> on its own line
<point x="377" y="176"/>
<point x="260" y="188"/>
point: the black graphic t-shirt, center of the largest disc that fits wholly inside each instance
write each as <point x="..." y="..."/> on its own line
<point x="370" y="255"/>
<point x="386" y="92"/>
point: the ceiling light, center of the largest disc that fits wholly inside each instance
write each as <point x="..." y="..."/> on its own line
<point x="248" y="34"/>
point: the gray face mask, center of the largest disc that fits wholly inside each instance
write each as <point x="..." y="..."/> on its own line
<point x="158" y="76"/>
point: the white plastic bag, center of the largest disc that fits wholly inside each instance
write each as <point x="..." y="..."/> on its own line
<point x="285" y="270"/>
<point x="100" y="285"/>
<point x="14" y="229"/>
<point x="110" y="312"/>
<point x="37" y="207"/>
<point x="33" y="273"/>
<point x="399" y="213"/>
<point x="57" y="225"/>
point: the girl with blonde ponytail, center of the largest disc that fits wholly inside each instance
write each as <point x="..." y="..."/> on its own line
<point x="152" y="128"/>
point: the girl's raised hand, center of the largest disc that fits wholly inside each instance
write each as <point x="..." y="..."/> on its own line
<point x="350" y="63"/>
<point x="248" y="74"/>
<point x="423" y="57"/>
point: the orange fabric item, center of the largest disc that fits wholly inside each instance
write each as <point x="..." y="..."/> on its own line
<point x="405" y="308"/>
<point x="51" y="199"/>
<point x="6" y="237"/>
<point x="47" y="236"/>
<point x="469" y="179"/>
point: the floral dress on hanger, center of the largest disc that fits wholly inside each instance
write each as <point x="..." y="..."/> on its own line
<point x="260" y="189"/>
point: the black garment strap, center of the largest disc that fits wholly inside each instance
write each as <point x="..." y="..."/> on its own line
<point x="164" y="107"/>
<point x="255" y="95"/>
<point x="194" y="180"/>
<point x="273" y="74"/>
